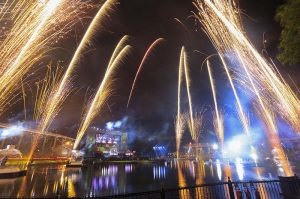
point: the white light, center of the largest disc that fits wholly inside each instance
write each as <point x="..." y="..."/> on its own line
<point x="239" y="168"/>
<point x="215" y="146"/>
<point x="235" y="145"/>
<point x="254" y="156"/>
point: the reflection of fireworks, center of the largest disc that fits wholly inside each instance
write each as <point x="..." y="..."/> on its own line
<point x="104" y="91"/>
<point x="147" y="54"/>
<point x="218" y="119"/>
<point x="35" y="27"/>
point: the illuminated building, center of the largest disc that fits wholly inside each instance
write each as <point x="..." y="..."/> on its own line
<point x="104" y="142"/>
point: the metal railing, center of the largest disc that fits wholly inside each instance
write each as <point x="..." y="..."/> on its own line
<point x="283" y="188"/>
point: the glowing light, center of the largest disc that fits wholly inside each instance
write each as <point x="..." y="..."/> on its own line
<point x="253" y="154"/>
<point x="215" y="146"/>
<point x="219" y="170"/>
<point x="239" y="168"/>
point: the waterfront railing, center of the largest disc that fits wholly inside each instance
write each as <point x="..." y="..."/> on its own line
<point x="283" y="188"/>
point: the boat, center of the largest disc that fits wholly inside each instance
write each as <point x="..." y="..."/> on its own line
<point x="76" y="159"/>
<point x="75" y="163"/>
<point x="10" y="152"/>
<point x="11" y="172"/>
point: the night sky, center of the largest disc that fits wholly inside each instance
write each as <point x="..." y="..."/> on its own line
<point x="150" y="116"/>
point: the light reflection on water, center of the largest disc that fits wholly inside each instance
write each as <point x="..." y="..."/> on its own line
<point x="159" y="172"/>
<point x="219" y="170"/>
<point x="108" y="179"/>
<point x="239" y="168"/>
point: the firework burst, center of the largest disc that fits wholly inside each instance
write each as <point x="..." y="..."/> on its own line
<point x="34" y="28"/>
<point x="221" y="21"/>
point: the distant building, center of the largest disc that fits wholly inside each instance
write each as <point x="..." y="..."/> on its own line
<point x="103" y="142"/>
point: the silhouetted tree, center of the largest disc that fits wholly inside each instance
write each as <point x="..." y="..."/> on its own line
<point x="288" y="15"/>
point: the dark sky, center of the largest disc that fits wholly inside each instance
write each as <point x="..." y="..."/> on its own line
<point x="153" y="106"/>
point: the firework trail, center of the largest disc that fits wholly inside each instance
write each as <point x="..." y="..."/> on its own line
<point x="218" y="119"/>
<point x="180" y="122"/>
<point x="24" y="99"/>
<point x="221" y="21"/>
<point x="188" y="88"/>
<point x="194" y="121"/>
<point x="117" y="50"/>
<point x="36" y="26"/>
<point x="222" y="24"/>
<point x="45" y="88"/>
<point x="104" y="91"/>
<point x="147" y="54"/>
<point x="274" y="140"/>
<point x="242" y="116"/>
<point x="63" y="90"/>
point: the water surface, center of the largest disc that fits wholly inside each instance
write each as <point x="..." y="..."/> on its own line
<point x="108" y="179"/>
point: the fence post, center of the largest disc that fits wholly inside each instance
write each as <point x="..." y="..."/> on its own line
<point x="162" y="192"/>
<point x="230" y="188"/>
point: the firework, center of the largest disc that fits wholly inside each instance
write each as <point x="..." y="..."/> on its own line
<point x="147" y="54"/>
<point x="54" y="102"/>
<point x="44" y="111"/>
<point x="274" y="139"/>
<point x="117" y="50"/>
<point x="180" y="122"/>
<point x="36" y="26"/>
<point x="221" y="21"/>
<point x="188" y="88"/>
<point x="63" y="89"/>
<point x="242" y="116"/>
<point x="198" y="124"/>
<point x="218" y="119"/>
<point x="104" y="91"/>
<point x="45" y="88"/>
